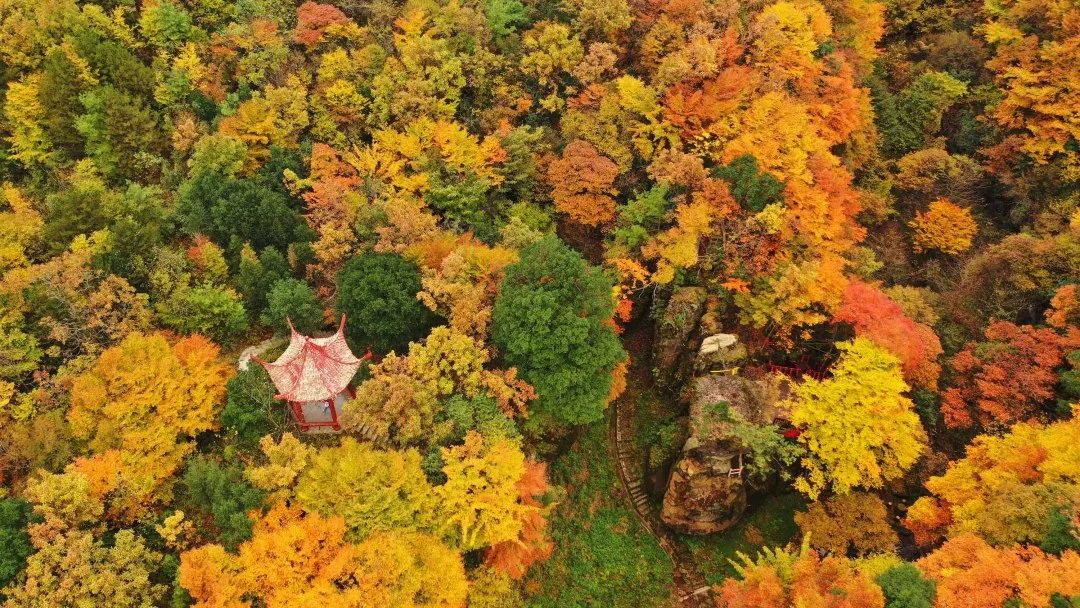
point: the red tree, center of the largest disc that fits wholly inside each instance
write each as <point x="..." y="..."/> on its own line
<point x="876" y="317"/>
<point x="1007" y="377"/>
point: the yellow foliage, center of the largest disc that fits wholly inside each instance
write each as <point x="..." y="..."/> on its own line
<point x="857" y="426"/>
<point x="944" y="227"/>
<point x="141" y="403"/>
<point x="286" y="459"/>
<point x="479" y="502"/>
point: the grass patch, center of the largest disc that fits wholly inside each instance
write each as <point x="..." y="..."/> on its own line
<point x="603" y="556"/>
<point x="771" y="524"/>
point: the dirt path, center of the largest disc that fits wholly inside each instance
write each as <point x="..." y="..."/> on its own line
<point x="690" y="587"/>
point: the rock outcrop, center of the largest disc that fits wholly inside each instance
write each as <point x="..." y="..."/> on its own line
<point x="707" y="490"/>
<point x="681" y="316"/>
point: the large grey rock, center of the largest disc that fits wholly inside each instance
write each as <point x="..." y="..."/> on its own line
<point x="681" y="316"/>
<point x="704" y="494"/>
<point x="702" y="497"/>
<point x="720" y="352"/>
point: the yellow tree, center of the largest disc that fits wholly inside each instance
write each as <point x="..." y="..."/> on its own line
<point x="138" y="407"/>
<point x="372" y="490"/>
<point x="479" y="503"/>
<point x="857" y="426"/>
<point x="295" y="560"/>
<point x="1005" y="488"/>
<point x="944" y="227"/>
<point x="72" y="565"/>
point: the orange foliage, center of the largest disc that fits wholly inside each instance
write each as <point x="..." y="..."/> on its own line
<point x="532" y="545"/>
<point x="803" y="580"/>
<point x="583" y="184"/>
<point x="973" y="574"/>
<point x="1006" y="378"/>
<point x="1064" y="307"/>
<point x="945" y="227"/>
<point x="312" y="19"/>
<point x="875" y="316"/>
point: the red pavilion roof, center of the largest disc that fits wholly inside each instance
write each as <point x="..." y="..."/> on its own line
<point x="313" y="369"/>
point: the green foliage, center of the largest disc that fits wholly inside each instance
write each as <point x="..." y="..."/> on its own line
<point x="292" y="299"/>
<point x="136" y="220"/>
<point x="768" y="451"/>
<point x="19" y="352"/>
<point x="908" y="119"/>
<point x="250" y="408"/>
<point x="753" y="189"/>
<point x="905" y="587"/>
<point x="231" y="210"/>
<point x="213" y="311"/>
<point x="257" y="274"/>
<point x="550" y="322"/>
<point x="505" y="17"/>
<point x="480" y="414"/>
<point x="377" y="293"/>
<point x="599" y="543"/>
<point x="639" y="217"/>
<point x="15" y="546"/>
<point x="121" y="133"/>
<point x="1061" y="533"/>
<point x="772" y="524"/>
<point x="221" y="495"/>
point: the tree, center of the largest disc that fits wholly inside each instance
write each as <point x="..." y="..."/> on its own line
<point x="783" y="578"/>
<point x="398" y="403"/>
<point x="138" y="406"/>
<point x="850" y="523"/>
<point x="1006" y="489"/>
<point x="1006" y="378"/>
<point x="372" y="490"/>
<point x="207" y="309"/>
<point x="875" y="316"/>
<point x="582" y="184"/>
<point x="222" y="498"/>
<point x="233" y="211"/>
<point x="121" y="133"/>
<point x="905" y="587"/>
<point x="550" y="321"/>
<point x="944" y="227"/>
<point x="969" y="572"/>
<point x="250" y="408"/>
<point x="292" y="299"/>
<point x="15" y="544"/>
<point x="295" y="559"/>
<point x="71" y="564"/>
<point x="478" y="504"/>
<point x="377" y="293"/>
<point x="858" y="427"/>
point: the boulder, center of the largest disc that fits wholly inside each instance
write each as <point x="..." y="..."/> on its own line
<point x="707" y="491"/>
<point x="702" y="497"/>
<point x="681" y="316"/>
<point x="720" y="352"/>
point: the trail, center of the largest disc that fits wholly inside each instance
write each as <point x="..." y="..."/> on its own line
<point x="691" y="589"/>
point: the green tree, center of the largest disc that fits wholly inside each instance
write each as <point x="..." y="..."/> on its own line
<point x="905" y="587"/>
<point x="293" y="299"/>
<point x="122" y="134"/>
<point x="256" y="274"/>
<point x="14" y="541"/>
<point x="231" y="210"/>
<point x="222" y="498"/>
<point x="551" y="322"/>
<point x="377" y="292"/>
<point x="750" y="186"/>
<point x="209" y="310"/>
<point x="251" y="411"/>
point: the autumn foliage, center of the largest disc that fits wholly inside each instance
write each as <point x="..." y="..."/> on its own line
<point x="944" y="227"/>
<point x="582" y="184"/>
<point x="1006" y="378"/>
